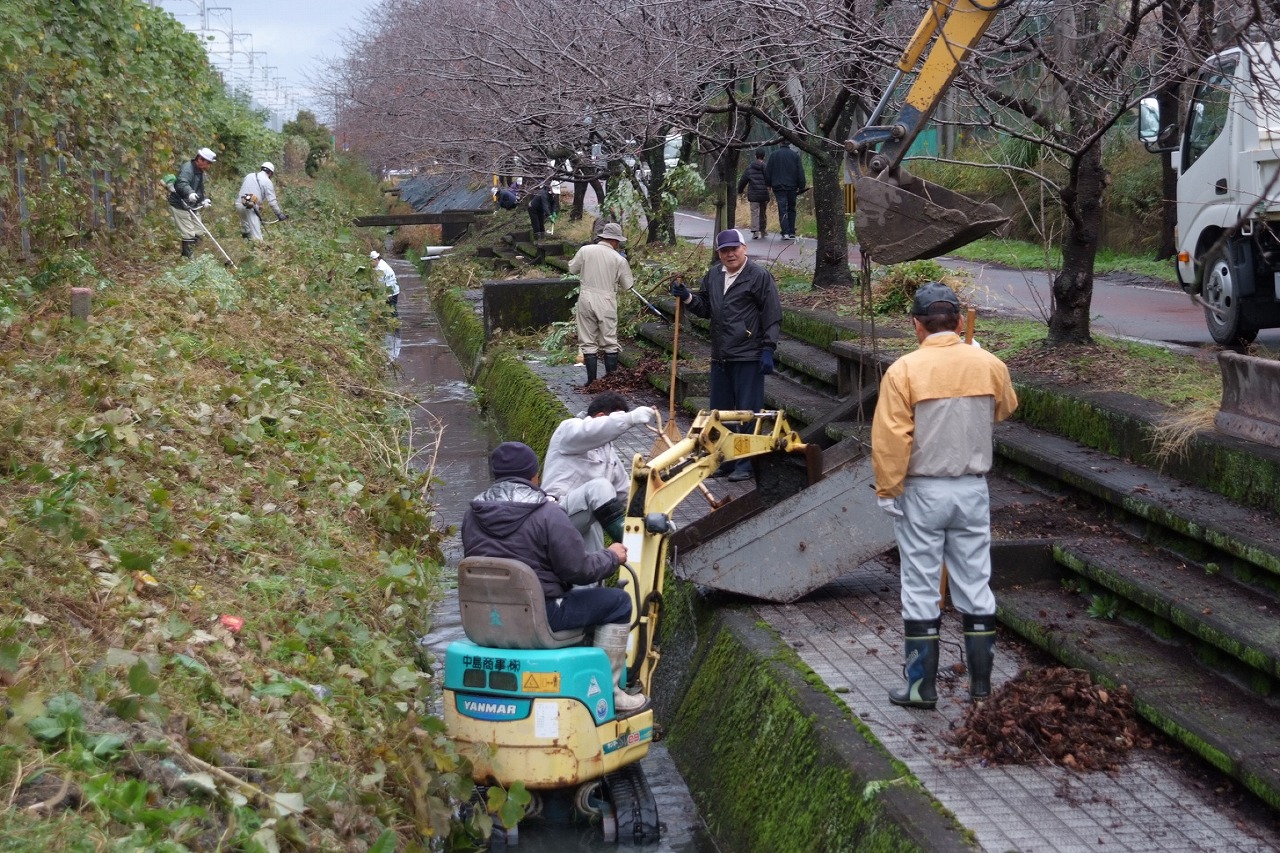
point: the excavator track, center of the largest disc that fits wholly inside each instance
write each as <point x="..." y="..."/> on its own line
<point x="634" y="807"/>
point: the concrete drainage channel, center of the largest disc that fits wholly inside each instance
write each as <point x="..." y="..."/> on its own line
<point x="776" y="714"/>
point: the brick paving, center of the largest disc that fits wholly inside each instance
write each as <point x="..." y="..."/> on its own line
<point x="850" y="634"/>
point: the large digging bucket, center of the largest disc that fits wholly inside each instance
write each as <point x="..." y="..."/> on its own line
<point x="1250" y="398"/>
<point x="797" y="545"/>
<point x="909" y="219"/>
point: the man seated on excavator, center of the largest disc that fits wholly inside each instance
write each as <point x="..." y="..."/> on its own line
<point x="517" y="520"/>
<point x="583" y="472"/>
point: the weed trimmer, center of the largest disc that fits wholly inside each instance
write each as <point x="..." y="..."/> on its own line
<point x="205" y="229"/>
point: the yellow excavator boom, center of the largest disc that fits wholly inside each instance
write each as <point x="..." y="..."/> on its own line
<point x="658" y="486"/>
<point x="900" y="217"/>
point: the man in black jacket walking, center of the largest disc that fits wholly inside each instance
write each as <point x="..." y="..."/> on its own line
<point x="740" y="298"/>
<point x="785" y="174"/>
<point x="757" y="187"/>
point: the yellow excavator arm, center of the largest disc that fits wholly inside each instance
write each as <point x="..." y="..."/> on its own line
<point x="900" y="217"/>
<point x="658" y="485"/>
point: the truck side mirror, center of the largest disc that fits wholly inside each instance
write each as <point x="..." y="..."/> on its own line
<point x="1152" y="132"/>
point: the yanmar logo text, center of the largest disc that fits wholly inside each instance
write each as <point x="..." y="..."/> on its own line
<point x="479" y="709"/>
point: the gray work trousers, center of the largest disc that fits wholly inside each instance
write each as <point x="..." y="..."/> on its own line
<point x="945" y="519"/>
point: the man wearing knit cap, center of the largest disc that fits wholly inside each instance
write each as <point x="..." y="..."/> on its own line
<point x="931" y="450"/>
<point x="516" y="520"/>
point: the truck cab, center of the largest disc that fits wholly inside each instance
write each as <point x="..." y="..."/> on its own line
<point x="1227" y="157"/>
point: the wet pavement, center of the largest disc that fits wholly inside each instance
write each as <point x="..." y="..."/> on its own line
<point x="451" y="437"/>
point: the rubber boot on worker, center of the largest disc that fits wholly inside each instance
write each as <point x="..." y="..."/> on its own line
<point x="610" y="362"/>
<point x="611" y="516"/>
<point x="591" y="361"/>
<point x="612" y="638"/>
<point x="188" y="248"/>
<point x="921" y="668"/>
<point x="979" y="653"/>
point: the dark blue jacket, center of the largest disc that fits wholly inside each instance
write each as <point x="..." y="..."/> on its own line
<point x="515" y="519"/>
<point x="746" y="319"/>
<point x="784" y="170"/>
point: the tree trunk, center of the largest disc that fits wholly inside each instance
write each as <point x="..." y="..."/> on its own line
<point x="831" y="266"/>
<point x="662" y="217"/>
<point x="1073" y="286"/>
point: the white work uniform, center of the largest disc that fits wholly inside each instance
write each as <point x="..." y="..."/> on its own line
<point x="259" y="185"/>
<point x="582" y="470"/>
<point x="388" y="276"/>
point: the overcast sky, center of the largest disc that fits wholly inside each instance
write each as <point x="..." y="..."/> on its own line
<point x="296" y="35"/>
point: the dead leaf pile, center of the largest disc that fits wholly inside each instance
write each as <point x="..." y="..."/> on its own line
<point x="1052" y="715"/>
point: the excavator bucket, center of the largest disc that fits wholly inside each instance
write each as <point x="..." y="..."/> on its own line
<point x="909" y="219"/>
<point x="780" y="551"/>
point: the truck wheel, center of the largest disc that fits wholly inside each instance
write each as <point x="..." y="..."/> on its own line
<point x="1225" y="317"/>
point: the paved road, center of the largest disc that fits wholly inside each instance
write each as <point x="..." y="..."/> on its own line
<point x="1122" y="307"/>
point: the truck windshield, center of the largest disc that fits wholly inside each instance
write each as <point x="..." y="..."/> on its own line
<point x="1207" y="115"/>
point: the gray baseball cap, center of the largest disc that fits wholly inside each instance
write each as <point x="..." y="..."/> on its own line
<point x="930" y="293"/>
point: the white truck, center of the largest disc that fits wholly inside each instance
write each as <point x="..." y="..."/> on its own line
<point x="1227" y="156"/>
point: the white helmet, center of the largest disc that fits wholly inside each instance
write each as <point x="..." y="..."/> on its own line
<point x="374" y="256"/>
<point x="207" y="154"/>
<point x="268" y="166"/>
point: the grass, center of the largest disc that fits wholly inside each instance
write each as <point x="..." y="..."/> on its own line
<point x="1023" y="255"/>
<point x="216" y="547"/>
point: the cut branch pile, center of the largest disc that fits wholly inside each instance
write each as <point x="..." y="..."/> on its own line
<point x="1053" y="715"/>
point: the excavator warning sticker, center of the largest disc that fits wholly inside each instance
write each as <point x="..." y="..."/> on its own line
<point x="540" y="682"/>
<point x="593" y="689"/>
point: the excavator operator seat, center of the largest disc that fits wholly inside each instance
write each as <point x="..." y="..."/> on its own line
<point x="503" y="606"/>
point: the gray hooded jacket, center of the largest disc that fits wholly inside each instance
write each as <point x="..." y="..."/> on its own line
<point x="515" y="519"/>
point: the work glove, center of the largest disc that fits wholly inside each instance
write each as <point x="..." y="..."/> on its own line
<point x="193" y="198"/>
<point x="890" y="506"/>
<point x="766" y="361"/>
<point x="208" y="202"/>
<point x="641" y="415"/>
<point x="679" y="291"/>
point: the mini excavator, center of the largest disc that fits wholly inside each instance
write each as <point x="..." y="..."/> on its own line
<point x="535" y="706"/>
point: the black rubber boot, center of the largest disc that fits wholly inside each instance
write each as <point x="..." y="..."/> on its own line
<point x="590" y="360"/>
<point x="980" y="654"/>
<point x="921" y="669"/>
<point x="188" y="247"/>
<point x="611" y="516"/>
<point x="610" y="362"/>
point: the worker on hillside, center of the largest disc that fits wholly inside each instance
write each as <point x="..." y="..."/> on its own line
<point x="257" y="190"/>
<point x="388" y="277"/>
<point x="506" y="198"/>
<point x="187" y="196"/>
<point x="930" y="451"/>
<point x="741" y="299"/>
<point x="582" y="470"/>
<point x="605" y="272"/>
<point x="517" y="520"/>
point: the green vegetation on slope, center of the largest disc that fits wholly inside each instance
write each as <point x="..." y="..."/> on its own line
<point x="216" y="555"/>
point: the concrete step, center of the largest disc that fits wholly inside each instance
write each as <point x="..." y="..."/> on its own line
<point x="1236" y="620"/>
<point x="1200" y="519"/>
<point x="1229" y="726"/>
